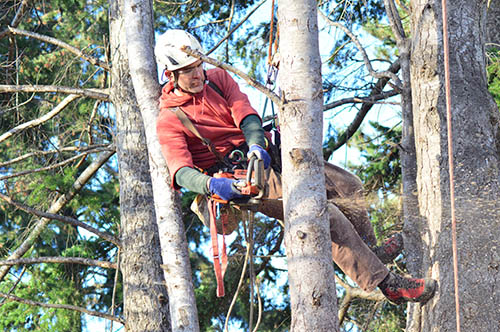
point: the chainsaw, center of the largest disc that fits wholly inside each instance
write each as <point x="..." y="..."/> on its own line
<point x="249" y="182"/>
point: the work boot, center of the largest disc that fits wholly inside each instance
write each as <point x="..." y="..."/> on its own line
<point x="391" y="248"/>
<point x="398" y="289"/>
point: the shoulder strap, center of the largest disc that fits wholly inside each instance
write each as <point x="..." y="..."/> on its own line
<point x="190" y="126"/>
<point x="216" y="88"/>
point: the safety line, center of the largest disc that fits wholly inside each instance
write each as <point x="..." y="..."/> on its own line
<point x="450" y="159"/>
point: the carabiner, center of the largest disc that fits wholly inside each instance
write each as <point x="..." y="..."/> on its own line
<point x="236" y="156"/>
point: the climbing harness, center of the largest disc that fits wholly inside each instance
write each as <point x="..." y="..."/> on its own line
<point x="250" y="183"/>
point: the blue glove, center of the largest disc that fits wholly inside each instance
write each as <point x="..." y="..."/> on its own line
<point x="260" y="153"/>
<point x="224" y="188"/>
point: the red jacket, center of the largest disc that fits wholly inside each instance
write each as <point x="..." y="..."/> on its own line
<point x="216" y="118"/>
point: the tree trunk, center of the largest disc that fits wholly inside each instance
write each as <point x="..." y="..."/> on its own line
<point x="174" y="249"/>
<point x="144" y="292"/>
<point x="493" y="24"/>
<point x="307" y="239"/>
<point x="412" y="221"/>
<point x="475" y="120"/>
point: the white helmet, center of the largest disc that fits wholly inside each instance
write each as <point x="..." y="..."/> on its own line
<point x="168" y="49"/>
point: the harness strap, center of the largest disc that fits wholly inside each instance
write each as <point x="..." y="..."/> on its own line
<point x="220" y="261"/>
<point x="191" y="127"/>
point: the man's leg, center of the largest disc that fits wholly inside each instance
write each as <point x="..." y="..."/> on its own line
<point x="349" y="251"/>
<point x="345" y="190"/>
<point x="353" y="256"/>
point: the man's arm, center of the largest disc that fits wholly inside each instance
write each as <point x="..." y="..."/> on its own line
<point x="251" y="126"/>
<point x="192" y="180"/>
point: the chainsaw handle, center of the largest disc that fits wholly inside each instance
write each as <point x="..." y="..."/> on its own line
<point x="256" y="165"/>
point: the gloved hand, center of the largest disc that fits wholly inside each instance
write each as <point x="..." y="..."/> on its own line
<point x="224" y="188"/>
<point x="260" y="153"/>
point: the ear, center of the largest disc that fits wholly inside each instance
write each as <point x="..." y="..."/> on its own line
<point x="169" y="74"/>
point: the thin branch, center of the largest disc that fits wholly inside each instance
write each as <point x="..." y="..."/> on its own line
<point x="19" y="278"/>
<point x="93" y="60"/>
<point x="402" y="5"/>
<point x="366" y="60"/>
<point x="238" y="72"/>
<point x="62" y="105"/>
<point x="60" y="260"/>
<point x="371" y="315"/>
<point x="356" y="123"/>
<point x="175" y="3"/>
<point x="344" y="307"/>
<point x="17" y="18"/>
<point x="94" y="148"/>
<point x="354" y="292"/>
<point x="101" y="94"/>
<point x="63" y="306"/>
<point x="16" y="107"/>
<point x="236" y="27"/>
<point x="53" y="166"/>
<point x="86" y="175"/>
<point x="67" y="220"/>
<point x="372" y="99"/>
<point x="395" y="20"/>
<point x="115" y="285"/>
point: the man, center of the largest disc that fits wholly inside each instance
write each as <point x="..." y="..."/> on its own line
<point x="225" y="121"/>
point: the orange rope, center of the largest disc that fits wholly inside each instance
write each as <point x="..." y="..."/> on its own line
<point x="450" y="159"/>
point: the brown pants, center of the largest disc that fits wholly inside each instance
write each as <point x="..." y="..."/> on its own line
<point x="350" y="227"/>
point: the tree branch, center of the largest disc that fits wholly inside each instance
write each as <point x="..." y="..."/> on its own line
<point x="17" y="18"/>
<point x="356" y="123"/>
<point x="94" y="148"/>
<point x="382" y="74"/>
<point x="236" y="27"/>
<point x="101" y="94"/>
<point x="354" y="292"/>
<point x="57" y="42"/>
<point x="236" y="71"/>
<point x="42" y="169"/>
<point x="19" y="278"/>
<point x="371" y="99"/>
<point x="64" y="219"/>
<point x="86" y="175"/>
<point x="63" y="306"/>
<point x="62" y="105"/>
<point x="60" y="260"/>
<point x="395" y="20"/>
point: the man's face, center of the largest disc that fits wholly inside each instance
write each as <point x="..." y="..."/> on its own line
<point x="191" y="79"/>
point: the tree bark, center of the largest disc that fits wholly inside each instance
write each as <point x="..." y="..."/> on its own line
<point x="493" y="24"/>
<point x="145" y="295"/>
<point x="475" y="121"/>
<point x="177" y="270"/>
<point x="307" y="234"/>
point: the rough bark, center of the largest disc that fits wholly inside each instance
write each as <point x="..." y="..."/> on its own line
<point x="144" y="292"/>
<point x="177" y="269"/>
<point x="307" y="240"/>
<point x="475" y="121"/>
<point x="493" y="24"/>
